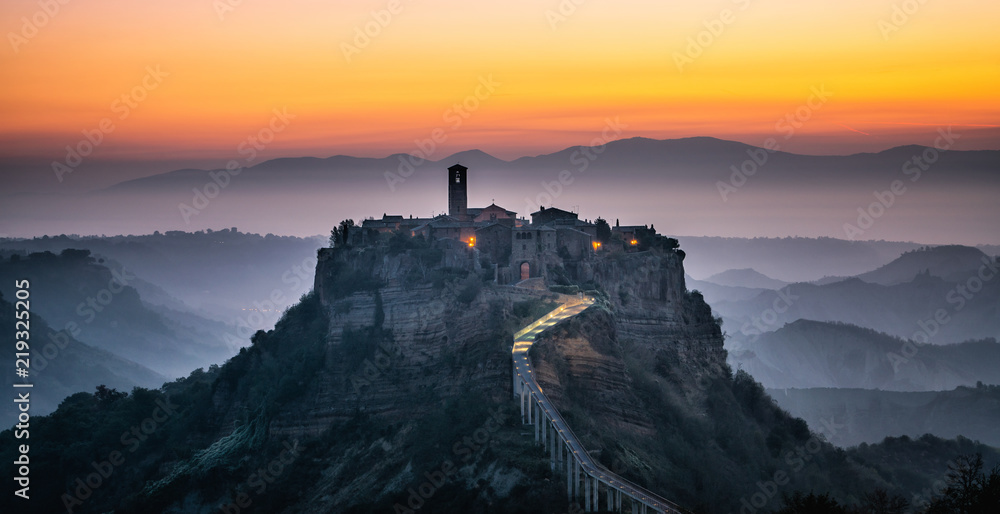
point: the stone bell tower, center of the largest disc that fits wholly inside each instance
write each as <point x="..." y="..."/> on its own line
<point x="458" y="194"/>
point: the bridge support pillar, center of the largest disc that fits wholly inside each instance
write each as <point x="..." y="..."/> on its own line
<point x="538" y="425"/>
<point x="544" y="419"/>
<point x="597" y="503"/>
<point x="552" y="446"/>
<point x="521" y="396"/>
<point x="586" y="494"/>
<point x="569" y="478"/>
<point x="611" y="498"/>
<point x="576" y="478"/>
<point x="560" y="444"/>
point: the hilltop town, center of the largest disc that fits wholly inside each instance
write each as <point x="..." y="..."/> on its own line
<point x="494" y="238"/>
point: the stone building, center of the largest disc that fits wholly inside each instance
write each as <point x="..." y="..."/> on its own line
<point x="516" y="248"/>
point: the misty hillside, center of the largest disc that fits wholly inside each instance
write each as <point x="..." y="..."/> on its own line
<point x="746" y="277"/>
<point x="810" y="354"/>
<point x="855" y="416"/>
<point x="216" y="273"/>
<point x="789" y="259"/>
<point x="925" y="308"/>
<point x="677" y="191"/>
<point x="952" y="263"/>
<point x="62" y="365"/>
<point x="715" y="293"/>
<point x="76" y="292"/>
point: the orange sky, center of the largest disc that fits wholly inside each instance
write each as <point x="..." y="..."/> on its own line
<point x="555" y="79"/>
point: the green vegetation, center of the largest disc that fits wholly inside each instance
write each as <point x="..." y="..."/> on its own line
<point x="724" y="441"/>
<point x="340" y="235"/>
<point x="529" y="310"/>
<point x="469" y="289"/>
<point x="344" y="279"/>
<point x="566" y="289"/>
<point x="603" y="230"/>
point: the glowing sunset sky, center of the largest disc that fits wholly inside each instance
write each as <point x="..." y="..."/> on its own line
<point x="892" y="82"/>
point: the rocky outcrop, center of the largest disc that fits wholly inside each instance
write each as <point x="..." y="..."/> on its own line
<point x="583" y="364"/>
<point x="405" y="335"/>
<point x="580" y="366"/>
<point x="654" y="312"/>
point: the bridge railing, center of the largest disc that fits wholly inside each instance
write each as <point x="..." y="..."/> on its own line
<point x="612" y="480"/>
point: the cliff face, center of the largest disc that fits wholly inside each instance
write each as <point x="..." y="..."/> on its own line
<point x="403" y="338"/>
<point x="653" y="312"/>
<point x="411" y="349"/>
<point x="396" y="344"/>
<point x="581" y="367"/>
<point x="648" y="313"/>
<point x="641" y="378"/>
<point x="423" y="329"/>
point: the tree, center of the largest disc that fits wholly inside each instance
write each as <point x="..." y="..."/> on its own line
<point x="105" y="396"/>
<point x="603" y="230"/>
<point x="880" y="502"/>
<point x="969" y="490"/>
<point x="340" y="234"/>
<point x="799" y="503"/>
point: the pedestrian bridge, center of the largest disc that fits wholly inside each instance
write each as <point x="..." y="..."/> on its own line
<point x="586" y="479"/>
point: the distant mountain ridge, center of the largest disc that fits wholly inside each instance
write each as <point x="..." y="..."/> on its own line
<point x="812" y="354"/>
<point x="950" y="262"/>
<point x="683" y="156"/>
<point x="868" y="416"/>
<point x="672" y="183"/>
<point x="746" y="277"/>
<point x="941" y="295"/>
<point x="62" y="365"/>
<point x="789" y="259"/>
